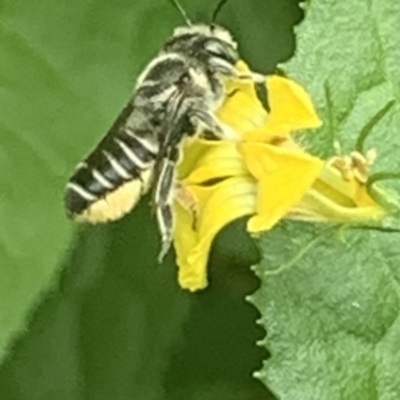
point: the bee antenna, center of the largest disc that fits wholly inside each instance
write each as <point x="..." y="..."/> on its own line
<point x="182" y="12"/>
<point x="217" y="9"/>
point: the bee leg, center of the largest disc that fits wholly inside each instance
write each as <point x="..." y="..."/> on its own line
<point x="252" y="77"/>
<point x="163" y="200"/>
<point x="165" y="224"/>
<point x="209" y="126"/>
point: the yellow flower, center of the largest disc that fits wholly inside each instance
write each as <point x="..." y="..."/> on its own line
<point x="264" y="175"/>
<point x="340" y="193"/>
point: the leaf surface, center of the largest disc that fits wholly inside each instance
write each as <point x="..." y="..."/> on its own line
<point x="330" y="297"/>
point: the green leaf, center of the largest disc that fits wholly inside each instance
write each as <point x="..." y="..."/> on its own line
<point x="103" y="323"/>
<point x="330" y="297"/>
<point x="55" y="60"/>
<point x="330" y="304"/>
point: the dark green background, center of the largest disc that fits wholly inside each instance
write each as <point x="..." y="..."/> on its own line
<point x="114" y="324"/>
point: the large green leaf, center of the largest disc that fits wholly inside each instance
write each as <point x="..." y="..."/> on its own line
<point x="95" y="337"/>
<point x="55" y="57"/>
<point x="330" y="297"/>
<point x="58" y="59"/>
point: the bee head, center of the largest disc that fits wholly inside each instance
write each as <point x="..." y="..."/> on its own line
<point x="209" y="44"/>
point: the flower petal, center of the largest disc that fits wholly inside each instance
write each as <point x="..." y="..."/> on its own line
<point x="349" y="189"/>
<point x="185" y="237"/>
<point x="337" y="197"/>
<point x="317" y="207"/>
<point x="193" y="150"/>
<point x="283" y="176"/>
<point x="221" y="160"/>
<point x="291" y="109"/>
<point x="242" y="110"/>
<point x="222" y="203"/>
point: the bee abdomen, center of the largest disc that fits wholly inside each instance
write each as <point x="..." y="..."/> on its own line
<point x="109" y="183"/>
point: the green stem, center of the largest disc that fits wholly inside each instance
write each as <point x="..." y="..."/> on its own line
<point x="378" y="195"/>
<point x="366" y="130"/>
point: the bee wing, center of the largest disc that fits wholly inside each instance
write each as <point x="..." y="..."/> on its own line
<point x="112" y="179"/>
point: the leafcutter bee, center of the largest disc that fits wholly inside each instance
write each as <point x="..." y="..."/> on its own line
<point x="175" y="97"/>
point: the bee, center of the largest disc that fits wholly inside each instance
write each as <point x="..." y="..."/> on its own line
<point x="175" y="98"/>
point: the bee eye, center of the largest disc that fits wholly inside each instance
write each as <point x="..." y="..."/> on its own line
<point x="215" y="49"/>
<point x="221" y="50"/>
